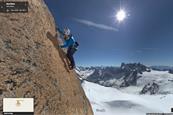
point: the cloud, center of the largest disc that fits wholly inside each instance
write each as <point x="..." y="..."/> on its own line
<point x="96" y="25"/>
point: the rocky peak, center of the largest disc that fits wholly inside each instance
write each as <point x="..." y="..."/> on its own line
<point x="131" y="72"/>
<point x="151" y="88"/>
<point x="134" y="67"/>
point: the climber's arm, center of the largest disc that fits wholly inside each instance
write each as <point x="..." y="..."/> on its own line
<point x="61" y="32"/>
<point x="68" y="43"/>
<point x="65" y="45"/>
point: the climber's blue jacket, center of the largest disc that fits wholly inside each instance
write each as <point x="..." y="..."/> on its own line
<point x="69" y="42"/>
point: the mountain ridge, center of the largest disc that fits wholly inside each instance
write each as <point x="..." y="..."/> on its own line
<point x="131" y="77"/>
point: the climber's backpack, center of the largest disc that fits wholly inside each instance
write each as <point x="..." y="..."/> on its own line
<point x="76" y="45"/>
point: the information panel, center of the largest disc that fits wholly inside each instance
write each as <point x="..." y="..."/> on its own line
<point x="13" y="7"/>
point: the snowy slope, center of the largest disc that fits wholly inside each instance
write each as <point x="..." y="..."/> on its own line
<point x="163" y="78"/>
<point x="110" y="101"/>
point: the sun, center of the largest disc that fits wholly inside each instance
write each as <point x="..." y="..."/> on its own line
<point x="121" y="15"/>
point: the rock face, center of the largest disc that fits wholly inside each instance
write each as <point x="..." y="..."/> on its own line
<point x="151" y="88"/>
<point x="131" y="73"/>
<point x="130" y="79"/>
<point x="104" y="74"/>
<point x="30" y="65"/>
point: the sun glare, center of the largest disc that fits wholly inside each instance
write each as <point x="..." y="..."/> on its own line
<point x="121" y="15"/>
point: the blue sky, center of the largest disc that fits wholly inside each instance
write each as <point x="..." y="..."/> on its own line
<point x="146" y="36"/>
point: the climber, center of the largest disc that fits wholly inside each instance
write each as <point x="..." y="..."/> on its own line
<point x="70" y="44"/>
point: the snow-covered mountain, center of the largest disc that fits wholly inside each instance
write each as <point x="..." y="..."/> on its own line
<point x="154" y="82"/>
<point x="132" y="78"/>
<point x="111" y="101"/>
<point x="132" y="89"/>
<point x="162" y="68"/>
<point x="107" y="76"/>
<point x="84" y="72"/>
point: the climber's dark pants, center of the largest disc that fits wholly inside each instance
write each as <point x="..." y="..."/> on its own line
<point x="70" y="53"/>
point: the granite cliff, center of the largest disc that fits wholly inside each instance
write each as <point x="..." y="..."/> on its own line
<point x="32" y="67"/>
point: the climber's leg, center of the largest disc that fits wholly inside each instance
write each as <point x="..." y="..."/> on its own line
<point x="70" y="53"/>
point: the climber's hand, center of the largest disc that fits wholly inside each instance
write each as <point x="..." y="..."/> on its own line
<point x="58" y="29"/>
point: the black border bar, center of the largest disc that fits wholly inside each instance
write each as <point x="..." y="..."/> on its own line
<point x="18" y="113"/>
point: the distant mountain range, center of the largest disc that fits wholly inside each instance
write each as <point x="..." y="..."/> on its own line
<point x="163" y="68"/>
<point x="131" y="89"/>
<point x="108" y="75"/>
<point x="143" y="79"/>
